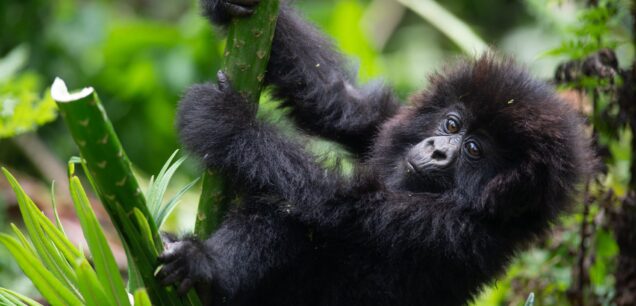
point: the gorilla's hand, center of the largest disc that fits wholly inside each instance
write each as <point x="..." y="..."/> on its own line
<point x="211" y="119"/>
<point x="221" y="11"/>
<point x="238" y="8"/>
<point x="185" y="263"/>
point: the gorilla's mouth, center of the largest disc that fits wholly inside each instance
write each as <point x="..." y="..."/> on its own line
<point x="412" y="168"/>
<point x="424" y="180"/>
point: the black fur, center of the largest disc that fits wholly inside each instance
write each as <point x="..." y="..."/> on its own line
<point x="306" y="236"/>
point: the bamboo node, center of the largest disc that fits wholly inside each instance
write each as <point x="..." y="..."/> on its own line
<point x="122" y="181"/>
<point x="104" y="140"/>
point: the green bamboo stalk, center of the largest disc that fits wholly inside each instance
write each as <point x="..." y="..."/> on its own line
<point x="249" y="43"/>
<point x="213" y="204"/>
<point x="116" y="186"/>
<point x="454" y="28"/>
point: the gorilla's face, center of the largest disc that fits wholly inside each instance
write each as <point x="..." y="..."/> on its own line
<point x="440" y="150"/>
<point x="485" y="134"/>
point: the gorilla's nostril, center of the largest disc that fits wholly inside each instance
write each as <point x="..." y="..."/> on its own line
<point x="438" y="155"/>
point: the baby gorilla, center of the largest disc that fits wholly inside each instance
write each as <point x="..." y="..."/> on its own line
<point x="447" y="189"/>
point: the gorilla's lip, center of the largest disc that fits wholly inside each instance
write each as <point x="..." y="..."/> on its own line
<point x="413" y="168"/>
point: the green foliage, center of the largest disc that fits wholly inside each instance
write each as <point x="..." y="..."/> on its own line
<point x="595" y="30"/>
<point x="344" y="28"/>
<point x="142" y="55"/>
<point x="10" y="298"/>
<point x="22" y="108"/>
<point x="157" y="189"/>
<point x="59" y="270"/>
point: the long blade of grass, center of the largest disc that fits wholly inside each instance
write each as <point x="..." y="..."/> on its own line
<point x="90" y="286"/>
<point x="145" y="229"/>
<point x="25" y="300"/>
<point x="10" y="300"/>
<point x="23" y="239"/>
<point x="141" y="298"/>
<point x="61" y="242"/>
<point x="58" y="223"/>
<point x="49" y="286"/>
<point x="155" y="192"/>
<point x="46" y="250"/>
<point x="169" y="207"/>
<point x="454" y="28"/>
<point x="103" y="258"/>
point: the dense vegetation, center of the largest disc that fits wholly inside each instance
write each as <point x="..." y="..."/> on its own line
<point x="140" y="55"/>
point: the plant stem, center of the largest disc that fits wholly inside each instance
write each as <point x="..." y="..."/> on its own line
<point x="246" y="56"/>
<point x="110" y="172"/>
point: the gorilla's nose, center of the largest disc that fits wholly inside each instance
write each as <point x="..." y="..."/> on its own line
<point x="442" y="147"/>
<point x="437" y="151"/>
<point x="438" y="155"/>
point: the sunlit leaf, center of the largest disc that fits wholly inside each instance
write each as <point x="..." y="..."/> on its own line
<point x="49" y="286"/>
<point x="91" y="287"/>
<point x="10" y="297"/>
<point x="103" y="258"/>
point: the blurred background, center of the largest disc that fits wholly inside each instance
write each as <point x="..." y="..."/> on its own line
<point x="140" y="55"/>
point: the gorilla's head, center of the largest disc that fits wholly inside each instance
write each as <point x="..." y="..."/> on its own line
<point x="489" y="136"/>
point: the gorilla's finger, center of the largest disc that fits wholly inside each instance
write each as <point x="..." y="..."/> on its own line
<point x="172" y="276"/>
<point x="167" y="256"/>
<point x="165" y="271"/>
<point x="168" y="238"/>
<point x="223" y="81"/>
<point x="244" y="2"/>
<point x="237" y="10"/>
<point x="185" y="286"/>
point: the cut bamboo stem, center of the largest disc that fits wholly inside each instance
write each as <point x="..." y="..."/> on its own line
<point x="111" y="175"/>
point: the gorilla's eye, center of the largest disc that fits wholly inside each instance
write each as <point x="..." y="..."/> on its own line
<point x="473" y="149"/>
<point x="451" y="126"/>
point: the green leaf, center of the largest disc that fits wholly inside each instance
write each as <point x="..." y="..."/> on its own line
<point x="454" y="28"/>
<point x="58" y="223"/>
<point x="103" y="258"/>
<point x="157" y="187"/>
<point x="25" y="242"/>
<point x="10" y="298"/>
<point x="23" y="107"/>
<point x="90" y="286"/>
<point x="16" y="298"/>
<point x="46" y="250"/>
<point x="61" y="242"/>
<point x="145" y="230"/>
<point x="172" y="203"/>
<point x="141" y="298"/>
<point x="49" y="286"/>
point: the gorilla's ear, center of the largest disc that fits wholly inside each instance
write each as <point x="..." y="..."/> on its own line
<point x="512" y="192"/>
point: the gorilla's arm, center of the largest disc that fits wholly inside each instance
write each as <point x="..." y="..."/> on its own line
<point x="247" y="251"/>
<point x="310" y="77"/>
<point x="219" y="125"/>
